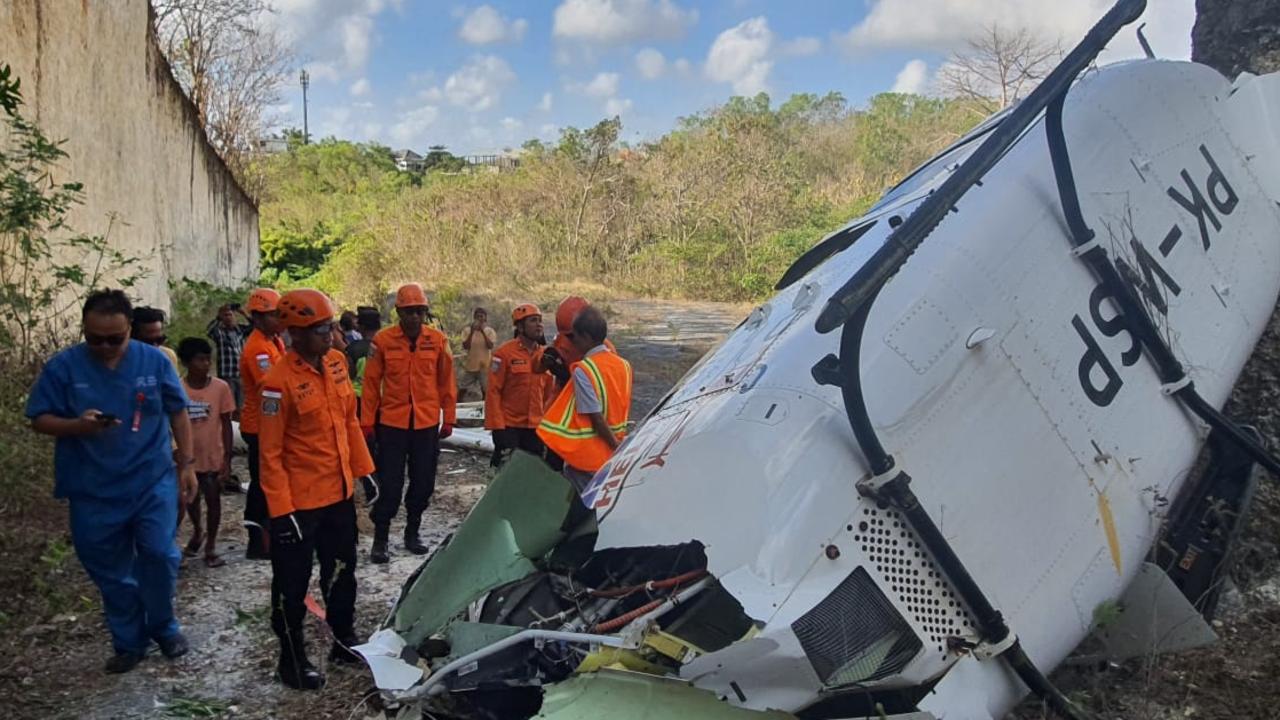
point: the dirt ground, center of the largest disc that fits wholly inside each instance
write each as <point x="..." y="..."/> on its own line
<point x="56" y="672"/>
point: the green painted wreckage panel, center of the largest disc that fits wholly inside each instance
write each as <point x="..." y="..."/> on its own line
<point x="517" y="521"/>
<point x="635" y="696"/>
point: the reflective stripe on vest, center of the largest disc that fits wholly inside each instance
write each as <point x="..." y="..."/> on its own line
<point x="570" y="434"/>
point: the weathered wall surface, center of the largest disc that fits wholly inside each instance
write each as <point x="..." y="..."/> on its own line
<point x="1234" y="36"/>
<point x="92" y="73"/>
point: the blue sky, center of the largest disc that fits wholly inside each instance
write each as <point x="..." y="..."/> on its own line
<point x="482" y="76"/>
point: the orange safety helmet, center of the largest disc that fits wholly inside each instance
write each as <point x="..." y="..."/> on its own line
<point x="523" y="311"/>
<point x="304" y="308"/>
<point x="263" y="300"/>
<point x="568" y="310"/>
<point x="411" y="295"/>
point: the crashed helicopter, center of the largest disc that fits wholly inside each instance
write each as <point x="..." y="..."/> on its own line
<point x="906" y="485"/>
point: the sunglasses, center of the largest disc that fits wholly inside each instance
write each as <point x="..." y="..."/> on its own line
<point x="322" y="329"/>
<point x="112" y="340"/>
<point x="413" y="311"/>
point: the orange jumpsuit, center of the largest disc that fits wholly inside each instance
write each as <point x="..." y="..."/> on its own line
<point x="311" y="445"/>
<point x="401" y="381"/>
<point x="259" y="355"/>
<point x="408" y="389"/>
<point x="518" y="394"/>
<point x="312" y="452"/>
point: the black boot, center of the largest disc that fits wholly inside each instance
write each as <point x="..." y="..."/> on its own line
<point x="341" y="652"/>
<point x="294" y="669"/>
<point x="412" y="542"/>
<point x="379" y="555"/>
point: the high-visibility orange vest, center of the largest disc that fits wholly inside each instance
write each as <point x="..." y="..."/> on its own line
<point x="568" y="433"/>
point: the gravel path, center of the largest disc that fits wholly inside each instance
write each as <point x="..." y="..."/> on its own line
<point x="229" y="672"/>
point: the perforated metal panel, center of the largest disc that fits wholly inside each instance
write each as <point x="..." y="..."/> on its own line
<point x="855" y="635"/>
<point x="905" y="564"/>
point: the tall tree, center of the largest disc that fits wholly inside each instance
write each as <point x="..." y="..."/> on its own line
<point x="998" y="67"/>
<point x="232" y="64"/>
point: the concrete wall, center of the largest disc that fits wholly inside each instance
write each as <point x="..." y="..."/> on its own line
<point x="92" y="73"/>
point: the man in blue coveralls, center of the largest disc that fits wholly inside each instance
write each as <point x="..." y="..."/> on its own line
<point x="111" y="402"/>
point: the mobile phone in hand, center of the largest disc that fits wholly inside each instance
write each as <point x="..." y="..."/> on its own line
<point x="107" y="418"/>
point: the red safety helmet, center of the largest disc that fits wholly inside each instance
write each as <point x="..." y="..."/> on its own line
<point x="411" y="295"/>
<point x="305" y="307"/>
<point x="523" y="311"/>
<point x="263" y="300"/>
<point x="568" y="310"/>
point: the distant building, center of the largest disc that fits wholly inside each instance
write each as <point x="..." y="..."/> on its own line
<point x="272" y="144"/>
<point x="408" y="161"/>
<point x="506" y="162"/>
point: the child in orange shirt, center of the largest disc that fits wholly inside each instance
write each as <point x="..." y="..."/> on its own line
<point x="210" y="411"/>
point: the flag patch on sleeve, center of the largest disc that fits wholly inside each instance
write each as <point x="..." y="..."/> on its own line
<point x="271" y="401"/>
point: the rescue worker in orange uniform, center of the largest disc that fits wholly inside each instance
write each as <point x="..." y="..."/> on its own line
<point x="588" y="419"/>
<point x="262" y="349"/>
<point x="562" y="353"/>
<point x="409" y="403"/>
<point x="518" y="389"/>
<point x="313" y="452"/>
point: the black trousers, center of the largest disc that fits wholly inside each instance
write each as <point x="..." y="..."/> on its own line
<point x="329" y="535"/>
<point x="417" y="450"/>
<point x="510" y="439"/>
<point x="255" y="501"/>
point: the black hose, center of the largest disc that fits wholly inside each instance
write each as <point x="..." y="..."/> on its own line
<point x="889" y="258"/>
<point x="991" y="623"/>
<point x="855" y="405"/>
<point x="897" y="493"/>
<point x="1138" y="321"/>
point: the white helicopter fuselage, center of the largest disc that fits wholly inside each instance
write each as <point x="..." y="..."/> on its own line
<point x="997" y="373"/>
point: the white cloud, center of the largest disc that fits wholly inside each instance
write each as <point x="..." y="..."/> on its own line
<point x="548" y="130"/>
<point x="617" y="106"/>
<point x="603" y="85"/>
<point x="801" y="46"/>
<point x="682" y="67"/>
<point x="741" y="56"/>
<point x="336" y="37"/>
<point x="360" y="88"/>
<point x="620" y="21"/>
<point x="511" y="124"/>
<point x="944" y="25"/>
<point x="357" y="34"/>
<point x="650" y="63"/>
<point x="323" y="71"/>
<point x="479" y="84"/>
<point x="545" y="104"/>
<point x="485" y="26"/>
<point x="912" y="78"/>
<point x="412" y="126"/>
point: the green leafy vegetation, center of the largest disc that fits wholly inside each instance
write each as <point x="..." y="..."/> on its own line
<point x="715" y="209"/>
<point x="46" y="268"/>
<point x="194" y="303"/>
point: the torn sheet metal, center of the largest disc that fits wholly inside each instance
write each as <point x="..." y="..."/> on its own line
<point x="517" y="520"/>
<point x="475" y="439"/>
<point x="385" y="656"/>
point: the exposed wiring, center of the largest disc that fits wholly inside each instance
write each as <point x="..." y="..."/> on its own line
<point x="651" y="585"/>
